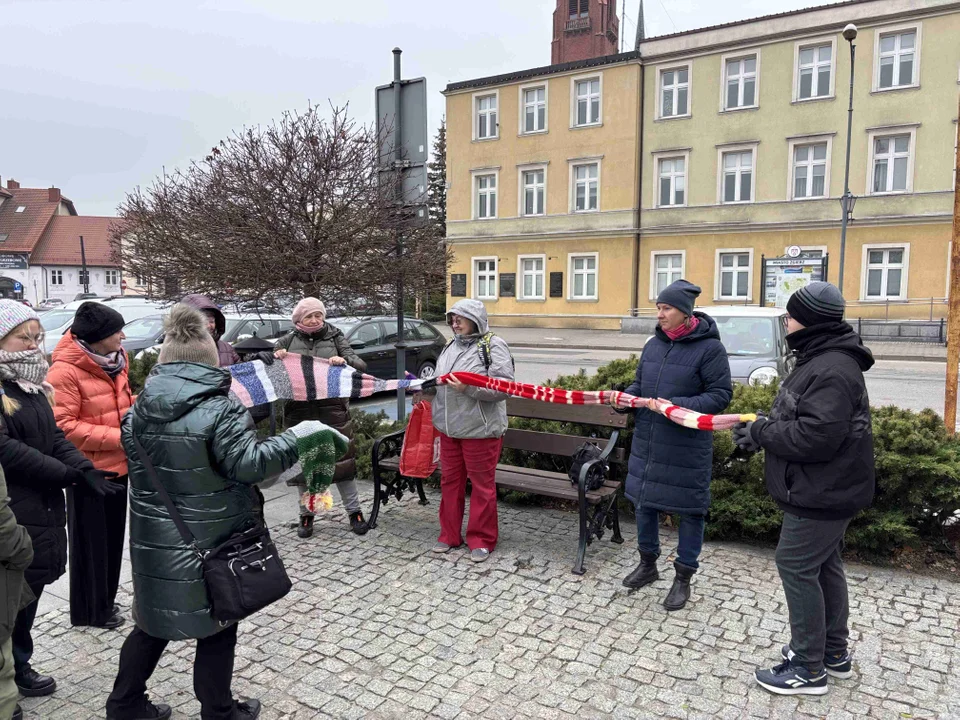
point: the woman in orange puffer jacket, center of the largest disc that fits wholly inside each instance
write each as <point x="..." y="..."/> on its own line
<point x="89" y="373"/>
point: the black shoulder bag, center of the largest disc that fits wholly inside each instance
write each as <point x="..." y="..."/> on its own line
<point x="244" y="574"/>
<point x="598" y="472"/>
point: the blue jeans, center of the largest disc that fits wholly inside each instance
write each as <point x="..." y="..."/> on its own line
<point x="691" y="536"/>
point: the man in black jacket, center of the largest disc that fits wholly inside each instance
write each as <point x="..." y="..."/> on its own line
<point x="819" y="469"/>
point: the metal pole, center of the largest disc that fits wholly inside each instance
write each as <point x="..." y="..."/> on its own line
<point x="953" y="309"/>
<point x="846" y="173"/>
<point x="398" y="165"/>
<point x="83" y="266"/>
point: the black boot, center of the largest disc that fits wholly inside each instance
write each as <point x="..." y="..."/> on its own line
<point x="680" y="591"/>
<point x="17" y="714"/>
<point x="33" y="684"/>
<point x="358" y="524"/>
<point x="645" y="573"/>
<point x="246" y="710"/>
<point x="306" y="526"/>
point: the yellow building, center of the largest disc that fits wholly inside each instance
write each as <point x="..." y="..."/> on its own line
<point x="703" y="153"/>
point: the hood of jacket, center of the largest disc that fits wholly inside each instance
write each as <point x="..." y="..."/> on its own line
<point x="68" y="351"/>
<point x="472" y="310"/>
<point x="706" y="328"/>
<point x="830" y="337"/>
<point x="174" y="389"/>
<point x="205" y="304"/>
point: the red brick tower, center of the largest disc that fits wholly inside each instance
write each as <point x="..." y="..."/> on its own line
<point x="584" y="29"/>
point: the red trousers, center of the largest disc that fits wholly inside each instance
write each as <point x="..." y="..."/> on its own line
<point x="476" y="459"/>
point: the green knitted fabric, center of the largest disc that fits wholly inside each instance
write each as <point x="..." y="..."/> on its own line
<point x="319" y="447"/>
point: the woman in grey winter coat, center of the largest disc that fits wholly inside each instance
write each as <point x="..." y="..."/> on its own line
<point x="314" y="337"/>
<point x="472" y="422"/>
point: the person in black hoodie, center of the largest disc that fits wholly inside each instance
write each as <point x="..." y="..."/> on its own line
<point x="819" y="468"/>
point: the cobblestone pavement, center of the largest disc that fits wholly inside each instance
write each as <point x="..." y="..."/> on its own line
<point x="379" y="627"/>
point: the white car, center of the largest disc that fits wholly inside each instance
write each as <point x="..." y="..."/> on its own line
<point x="56" y="322"/>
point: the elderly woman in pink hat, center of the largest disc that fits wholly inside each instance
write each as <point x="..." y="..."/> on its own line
<point x="315" y="337"/>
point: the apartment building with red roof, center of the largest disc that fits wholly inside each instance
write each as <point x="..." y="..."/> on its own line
<point x="40" y="254"/>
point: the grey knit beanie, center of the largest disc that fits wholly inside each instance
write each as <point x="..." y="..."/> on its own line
<point x="680" y="294"/>
<point x="816" y="303"/>
<point x="186" y="338"/>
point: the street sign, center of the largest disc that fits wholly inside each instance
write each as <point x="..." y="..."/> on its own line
<point x="17" y="287"/>
<point x="123" y="284"/>
<point x="794" y="251"/>
<point x="414" y="149"/>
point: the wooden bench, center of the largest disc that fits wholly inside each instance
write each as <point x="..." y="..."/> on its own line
<point x="598" y="508"/>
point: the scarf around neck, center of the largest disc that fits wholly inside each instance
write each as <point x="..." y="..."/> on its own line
<point x="310" y="331"/>
<point x="112" y="364"/>
<point x="688" y="327"/>
<point x="28" y="369"/>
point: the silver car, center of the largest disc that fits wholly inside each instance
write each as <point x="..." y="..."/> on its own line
<point x="756" y="342"/>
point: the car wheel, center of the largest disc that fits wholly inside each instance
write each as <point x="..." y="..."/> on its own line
<point x="427" y="371"/>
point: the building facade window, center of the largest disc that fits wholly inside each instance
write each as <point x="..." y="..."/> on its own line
<point x="815" y="71"/>
<point x="112" y="277"/>
<point x="583" y="277"/>
<point x="891" y="163"/>
<point x="532" y="277"/>
<point x="579" y="8"/>
<point x="810" y="170"/>
<point x="675" y="92"/>
<point x="740" y="82"/>
<point x="587" y="93"/>
<point x="737" y="176"/>
<point x="534" y="186"/>
<point x="885" y="275"/>
<point x="56" y="277"/>
<point x="486" y="117"/>
<point x="485" y="278"/>
<point x="486" y="196"/>
<point x="897" y="59"/>
<point x="667" y="268"/>
<point x="734" y="271"/>
<point x="672" y="172"/>
<point x="534" y="109"/>
<point x="586" y="187"/>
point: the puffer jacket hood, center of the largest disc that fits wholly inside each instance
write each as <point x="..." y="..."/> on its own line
<point x="207" y="456"/>
<point x="90" y="404"/>
<point x="205" y="304"/>
<point x="472" y="310"/>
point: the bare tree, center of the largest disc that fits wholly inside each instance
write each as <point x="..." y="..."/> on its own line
<point x="293" y="208"/>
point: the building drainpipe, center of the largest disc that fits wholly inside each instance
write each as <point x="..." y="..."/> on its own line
<point x="635" y="275"/>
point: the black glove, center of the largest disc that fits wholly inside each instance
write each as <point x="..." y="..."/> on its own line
<point x="99" y="482"/>
<point x="743" y="437"/>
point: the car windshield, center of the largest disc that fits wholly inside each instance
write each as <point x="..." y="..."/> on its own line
<point x="345" y="328"/>
<point x="747" y="335"/>
<point x="56" y="319"/>
<point x="144" y="328"/>
<point x="232" y="324"/>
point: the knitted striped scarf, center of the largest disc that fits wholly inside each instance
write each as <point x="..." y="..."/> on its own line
<point x="319" y="447"/>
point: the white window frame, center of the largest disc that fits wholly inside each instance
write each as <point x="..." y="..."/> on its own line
<point x="670" y="155"/>
<point x="654" y="254"/>
<point x="723" y="80"/>
<point x="904" y="275"/>
<point x="475" y="114"/>
<point x="56" y="278"/>
<point x="106" y="277"/>
<point x="660" y="69"/>
<point x="532" y="167"/>
<point x="596" y="271"/>
<point x="815" y="43"/>
<point x="573" y="101"/>
<point x="521" y="273"/>
<point x="792" y="144"/>
<point x="717" y="297"/>
<point x="580" y="162"/>
<point x="474" y="275"/>
<point x="872" y="135"/>
<point x="722" y="150"/>
<point x="546" y="108"/>
<point x="896" y="30"/>
<point x="475" y="192"/>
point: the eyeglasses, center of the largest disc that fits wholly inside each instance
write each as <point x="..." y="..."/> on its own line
<point x="786" y="319"/>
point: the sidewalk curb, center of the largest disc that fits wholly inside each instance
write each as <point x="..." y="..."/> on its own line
<point x="909" y="358"/>
<point x="636" y="351"/>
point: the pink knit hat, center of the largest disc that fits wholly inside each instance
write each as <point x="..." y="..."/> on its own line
<point x="308" y="306"/>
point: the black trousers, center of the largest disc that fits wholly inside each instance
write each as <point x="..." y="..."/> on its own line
<point x="22" y="627"/>
<point x="212" y="674"/>
<point x="96" y="528"/>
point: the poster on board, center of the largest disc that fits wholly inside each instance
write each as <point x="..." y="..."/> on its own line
<point x="785" y="275"/>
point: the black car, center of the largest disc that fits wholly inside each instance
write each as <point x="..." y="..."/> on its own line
<point x="374" y="338"/>
<point x="142" y="334"/>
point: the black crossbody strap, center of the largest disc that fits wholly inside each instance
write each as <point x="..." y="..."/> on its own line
<point x="185" y="533"/>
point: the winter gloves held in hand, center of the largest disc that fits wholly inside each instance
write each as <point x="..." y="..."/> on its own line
<point x="97" y="481"/>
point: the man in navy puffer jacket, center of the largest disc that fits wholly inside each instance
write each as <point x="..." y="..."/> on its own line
<point x="670" y="465"/>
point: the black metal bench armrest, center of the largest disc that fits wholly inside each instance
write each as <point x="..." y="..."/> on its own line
<point x="587" y="466"/>
<point x="386" y="438"/>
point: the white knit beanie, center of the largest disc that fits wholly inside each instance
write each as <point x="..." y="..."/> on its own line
<point x="13" y="314"/>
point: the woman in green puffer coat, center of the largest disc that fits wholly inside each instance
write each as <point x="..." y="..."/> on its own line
<point x="313" y="336"/>
<point x="208" y="457"/>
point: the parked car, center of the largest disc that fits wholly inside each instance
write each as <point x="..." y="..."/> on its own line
<point x="266" y="326"/>
<point x="143" y="333"/>
<point x="374" y="338"/>
<point x="87" y="296"/>
<point x="57" y="322"/>
<point x="50" y="304"/>
<point x="756" y="342"/>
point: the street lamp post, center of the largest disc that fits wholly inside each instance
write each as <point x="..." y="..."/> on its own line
<point x="847" y="201"/>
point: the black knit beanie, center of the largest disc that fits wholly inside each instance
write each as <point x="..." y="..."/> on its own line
<point x="95" y="321"/>
<point x="681" y="295"/>
<point x="816" y="303"/>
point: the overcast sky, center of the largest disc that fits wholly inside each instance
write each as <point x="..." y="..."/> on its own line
<point x="98" y="96"/>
